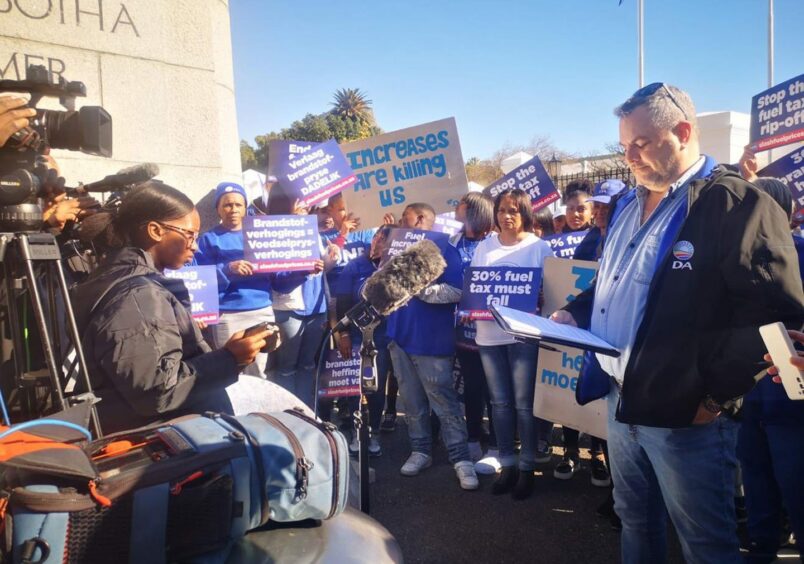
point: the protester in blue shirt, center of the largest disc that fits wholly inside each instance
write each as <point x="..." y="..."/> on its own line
<point x="476" y="212"/>
<point x="351" y="241"/>
<point x="578" y="208"/>
<point x="423" y="352"/>
<point x="300" y="313"/>
<point x="347" y="293"/>
<point x="244" y="296"/>
<point x="770" y="444"/>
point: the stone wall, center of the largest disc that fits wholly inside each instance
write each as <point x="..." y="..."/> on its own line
<point x="162" y="68"/>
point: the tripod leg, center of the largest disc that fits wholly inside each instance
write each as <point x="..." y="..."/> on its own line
<point x="47" y="345"/>
<point x="28" y="399"/>
<point x="75" y="337"/>
<point x="362" y="428"/>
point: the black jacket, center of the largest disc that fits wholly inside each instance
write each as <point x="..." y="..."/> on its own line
<point x="699" y="333"/>
<point x="145" y="355"/>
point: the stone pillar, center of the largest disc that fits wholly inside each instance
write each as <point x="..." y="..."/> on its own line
<point x="161" y="68"/>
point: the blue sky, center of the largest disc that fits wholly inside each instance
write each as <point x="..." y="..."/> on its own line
<point x="507" y="71"/>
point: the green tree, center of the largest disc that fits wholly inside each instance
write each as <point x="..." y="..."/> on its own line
<point x="350" y="119"/>
<point x="351" y="103"/>
<point x="248" y="157"/>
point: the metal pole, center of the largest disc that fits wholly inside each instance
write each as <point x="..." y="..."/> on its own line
<point x="640" y="46"/>
<point x="770" y="43"/>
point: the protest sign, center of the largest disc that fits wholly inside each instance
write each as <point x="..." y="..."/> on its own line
<point x="790" y="171"/>
<point x="564" y="244"/>
<point x="274" y="243"/>
<point x="557" y="371"/>
<point x="311" y="171"/>
<point x="530" y="177"/>
<point x="514" y="287"/>
<point x="777" y="115"/>
<point x="400" y="239"/>
<point x="417" y="164"/>
<point x="202" y="285"/>
<point x="446" y="223"/>
<point x="565" y="279"/>
<point x="340" y="376"/>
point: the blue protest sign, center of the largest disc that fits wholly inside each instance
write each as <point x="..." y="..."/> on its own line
<point x="202" y="285"/>
<point x="400" y="239"/>
<point x="446" y="223"/>
<point x="777" y="115"/>
<point x="312" y="171"/>
<point x="564" y="244"/>
<point x="790" y="171"/>
<point x="514" y="287"/>
<point x="530" y="177"/>
<point x="340" y="376"/>
<point x="274" y="243"/>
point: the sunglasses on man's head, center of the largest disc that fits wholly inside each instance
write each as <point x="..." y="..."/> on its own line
<point x="639" y="97"/>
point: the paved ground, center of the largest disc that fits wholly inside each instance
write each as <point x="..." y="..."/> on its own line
<point x="435" y="521"/>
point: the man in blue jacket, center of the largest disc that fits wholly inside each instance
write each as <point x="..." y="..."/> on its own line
<point x="695" y="260"/>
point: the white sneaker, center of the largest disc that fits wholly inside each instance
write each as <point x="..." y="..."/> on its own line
<point x="465" y="470"/>
<point x="354" y="445"/>
<point x="416" y="462"/>
<point x="475" y="452"/>
<point x="374" y="448"/>
<point x="490" y="464"/>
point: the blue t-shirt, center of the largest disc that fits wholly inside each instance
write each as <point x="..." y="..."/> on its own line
<point x="426" y="329"/>
<point x="357" y="244"/>
<point x="220" y="246"/>
<point x="350" y="282"/>
<point x="465" y="333"/>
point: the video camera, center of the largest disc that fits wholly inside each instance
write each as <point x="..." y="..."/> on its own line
<point x="22" y="175"/>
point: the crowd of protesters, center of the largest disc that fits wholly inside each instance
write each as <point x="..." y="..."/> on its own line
<point x="691" y="397"/>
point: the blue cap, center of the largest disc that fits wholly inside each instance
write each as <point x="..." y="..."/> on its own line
<point x="229" y="188"/>
<point x="606" y="190"/>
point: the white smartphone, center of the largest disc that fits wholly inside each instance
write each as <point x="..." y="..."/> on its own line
<point x="781" y="350"/>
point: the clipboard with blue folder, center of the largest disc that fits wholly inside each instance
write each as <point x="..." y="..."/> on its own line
<point x="532" y="327"/>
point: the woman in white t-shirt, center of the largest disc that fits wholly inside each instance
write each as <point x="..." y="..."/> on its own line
<point x="511" y="366"/>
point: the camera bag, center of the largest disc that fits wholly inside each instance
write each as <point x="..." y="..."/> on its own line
<point x="167" y="492"/>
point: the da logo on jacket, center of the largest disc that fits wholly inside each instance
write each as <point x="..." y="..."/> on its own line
<point x="683" y="251"/>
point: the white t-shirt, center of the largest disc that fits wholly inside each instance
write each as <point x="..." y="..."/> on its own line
<point x="529" y="253"/>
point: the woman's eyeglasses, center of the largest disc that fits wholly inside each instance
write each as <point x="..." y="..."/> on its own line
<point x="190" y="236"/>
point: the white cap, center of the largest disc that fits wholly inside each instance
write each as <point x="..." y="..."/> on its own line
<point x="560" y="210"/>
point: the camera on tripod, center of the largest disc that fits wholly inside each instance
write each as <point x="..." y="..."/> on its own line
<point x="22" y="176"/>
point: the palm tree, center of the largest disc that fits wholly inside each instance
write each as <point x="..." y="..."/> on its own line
<point x="351" y="103"/>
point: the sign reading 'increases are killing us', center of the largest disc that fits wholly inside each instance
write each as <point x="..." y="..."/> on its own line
<point x="418" y="164"/>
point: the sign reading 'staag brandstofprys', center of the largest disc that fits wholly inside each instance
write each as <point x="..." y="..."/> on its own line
<point x="202" y="286"/>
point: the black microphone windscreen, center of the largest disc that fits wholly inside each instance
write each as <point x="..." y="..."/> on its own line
<point x="404" y="276"/>
<point x="137" y="173"/>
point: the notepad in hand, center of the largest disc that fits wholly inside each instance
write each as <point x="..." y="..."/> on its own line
<point x="529" y="326"/>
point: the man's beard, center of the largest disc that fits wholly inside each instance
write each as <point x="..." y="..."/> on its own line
<point x="654" y="179"/>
